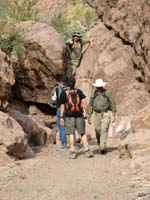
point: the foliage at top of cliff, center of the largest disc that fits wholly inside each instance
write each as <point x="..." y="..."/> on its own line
<point x="12" y="12"/>
<point x="76" y="17"/>
<point x="79" y="17"/>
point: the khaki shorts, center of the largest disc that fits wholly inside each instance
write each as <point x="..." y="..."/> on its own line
<point x="74" y="123"/>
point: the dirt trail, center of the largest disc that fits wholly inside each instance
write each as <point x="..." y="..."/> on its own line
<point x="51" y="175"/>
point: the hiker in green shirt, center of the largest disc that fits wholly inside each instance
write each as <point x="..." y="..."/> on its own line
<point x="103" y="106"/>
<point x="75" y="52"/>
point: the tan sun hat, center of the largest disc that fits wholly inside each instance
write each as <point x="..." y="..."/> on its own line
<point x="99" y="83"/>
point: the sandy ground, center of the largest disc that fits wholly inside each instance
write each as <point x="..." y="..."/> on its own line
<point x="51" y="175"/>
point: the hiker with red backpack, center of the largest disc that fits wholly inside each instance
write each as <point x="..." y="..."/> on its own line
<point x="73" y="104"/>
<point x="103" y="106"/>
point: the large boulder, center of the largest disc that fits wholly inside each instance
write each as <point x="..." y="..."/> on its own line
<point x="37" y="133"/>
<point x="111" y="60"/>
<point x="13" y="140"/>
<point x="40" y="62"/>
<point x="6" y="80"/>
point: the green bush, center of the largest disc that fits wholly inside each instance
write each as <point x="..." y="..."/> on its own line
<point x="12" y="12"/>
<point x="24" y="10"/>
<point x="63" y="26"/>
<point x="12" y="40"/>
<point x="16" y="11"/>
<point x="83" y="15"/>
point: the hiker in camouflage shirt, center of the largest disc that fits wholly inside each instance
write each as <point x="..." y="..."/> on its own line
<point x="75" y="53"/>
<point x="103" y="106"/>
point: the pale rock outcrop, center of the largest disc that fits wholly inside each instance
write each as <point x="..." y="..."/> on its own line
<point x="13" y="140"/>
<point x="6" y="80"/>
<point x="121" y="127"/>
<point x="40" y="62"/>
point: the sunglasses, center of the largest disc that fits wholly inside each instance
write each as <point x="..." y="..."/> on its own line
<point x="77" y="33"/>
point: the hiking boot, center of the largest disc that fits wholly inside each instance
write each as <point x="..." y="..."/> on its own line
<point x="103" y="151"/>
<point x="88" y="154"/>
<point x="72" y="155"/>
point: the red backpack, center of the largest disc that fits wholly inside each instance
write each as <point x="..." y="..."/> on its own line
<point x="73" y="103"/>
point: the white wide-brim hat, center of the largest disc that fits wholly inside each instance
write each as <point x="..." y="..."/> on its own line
<point x="99" y="83"/>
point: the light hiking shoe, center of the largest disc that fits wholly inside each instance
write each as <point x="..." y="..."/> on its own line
<point x="72" y="155"/>
<point x="64" y="146"/>
<point x="89" y="154"/>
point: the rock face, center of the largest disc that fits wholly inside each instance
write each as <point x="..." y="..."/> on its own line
<point x="50" y="7"/>
<point x="37" y="134"/>
<point x="13" y="140"/>
<point x="130" y="20"/>
<point x="6" y="80"/>
<point x="40" y="62"/>
<point x="111" y="60"/>
<point x="142" y="118"/>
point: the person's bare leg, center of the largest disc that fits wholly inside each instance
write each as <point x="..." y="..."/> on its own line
<point x="73" y="154"/>
<point x="87" y="151"/>
<point x="71" y="140"/>
<point x="84" y="140"/>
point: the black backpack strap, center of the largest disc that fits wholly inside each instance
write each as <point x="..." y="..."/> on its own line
<point x="59" y="90"/>
<point x="106" y="96"/>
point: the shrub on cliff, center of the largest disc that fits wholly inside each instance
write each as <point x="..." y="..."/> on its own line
<point x="12" y="40"/>
<point x="16" y="11"/>
<point x="63" y="26"/>
<point x="79" y="18"/>
<point x="12" y="12"/>
<point x="82" y="15"/>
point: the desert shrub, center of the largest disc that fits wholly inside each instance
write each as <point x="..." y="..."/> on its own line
<point x="12" y="12"/>
<point x="24" y="10"/>
<point x="83" y="15"/>
<point x="78" y="18"/>
<point x="12" y="40"/>
<point x="63" y="26"/>
<point x="16" y="11"/>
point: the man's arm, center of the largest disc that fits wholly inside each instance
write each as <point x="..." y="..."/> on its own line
<point x="85" y="42"/>
<point x="69" y="42"/>
<point x="62" y="109"/>
<point x="85" y="107"/>
<point x="90" y="109"/>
